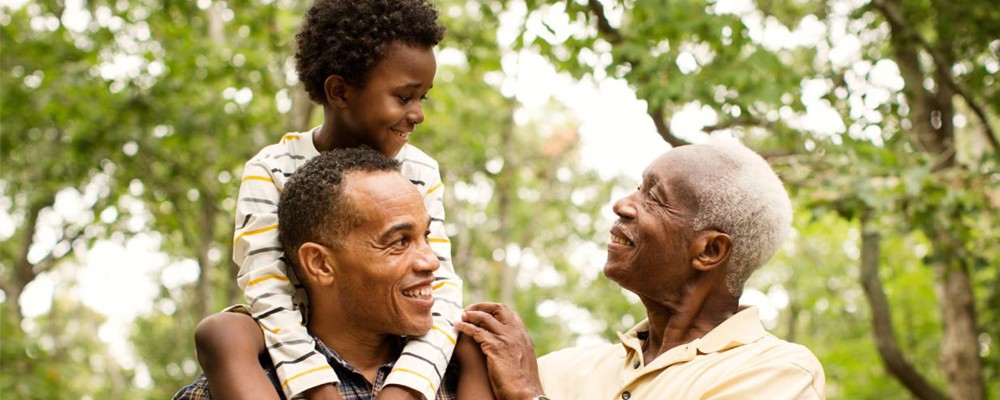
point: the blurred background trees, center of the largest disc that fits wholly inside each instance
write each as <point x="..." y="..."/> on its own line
<point x="125" y="123"/>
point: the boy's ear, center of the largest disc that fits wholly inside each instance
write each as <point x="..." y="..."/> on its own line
<point x="711" y="250"/>
<point x="335" y="88"/>
<point x="316" y="263"/>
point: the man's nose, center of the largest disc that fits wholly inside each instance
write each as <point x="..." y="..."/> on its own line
<point x="426" y="259"/>
<point x="625" y="207"/>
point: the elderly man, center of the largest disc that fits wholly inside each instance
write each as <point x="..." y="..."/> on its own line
<point x="704" y="218"/>
<point x="355" y="231"/>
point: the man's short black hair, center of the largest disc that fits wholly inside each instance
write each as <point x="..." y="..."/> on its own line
<point x="348" y="37"/>
<point x="313" y="207"/>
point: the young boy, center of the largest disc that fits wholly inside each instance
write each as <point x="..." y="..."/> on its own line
<point x="369" y="64"/>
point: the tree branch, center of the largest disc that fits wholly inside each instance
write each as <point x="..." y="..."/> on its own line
<point x="742" y="120"/>
<point x="895" y="18"/>
<point x="663" y="128"/>
<point x="885" y="335"/>
<point x="603" y="26"/>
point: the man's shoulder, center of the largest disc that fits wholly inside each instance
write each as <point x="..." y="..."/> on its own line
<point x="778" y="351"/>
<point x="578" y="356"/>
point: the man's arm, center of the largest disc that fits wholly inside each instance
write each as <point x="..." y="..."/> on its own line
<point x="510" y="355"/>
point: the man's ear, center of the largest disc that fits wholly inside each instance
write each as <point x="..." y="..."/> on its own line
<point x="335" y="89"/>
<point x="317" y="263"/>
<point x="711" y="249"/>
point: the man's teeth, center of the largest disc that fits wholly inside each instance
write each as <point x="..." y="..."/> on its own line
<point x="620" y="240"/>
<point x="419" y="293"/>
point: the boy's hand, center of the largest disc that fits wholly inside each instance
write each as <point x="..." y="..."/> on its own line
<point x="324" y="392"/>
<point x="396" y="392"/>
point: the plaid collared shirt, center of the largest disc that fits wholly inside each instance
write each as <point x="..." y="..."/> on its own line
<point x="353" y="385"/>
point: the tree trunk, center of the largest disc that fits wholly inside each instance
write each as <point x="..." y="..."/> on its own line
<point x="300" y="115"/>
<point x="882" y="329"/>
<point x="932" y="132"/>
<point x="504" y="189"/>
<point x="960" y="350"/>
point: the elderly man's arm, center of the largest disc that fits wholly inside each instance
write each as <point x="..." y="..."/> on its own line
<point x="510" y="355"/>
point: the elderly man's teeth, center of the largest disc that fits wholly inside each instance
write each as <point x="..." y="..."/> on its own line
<point x="425" y="292"/>
<point x="620" y="240"/>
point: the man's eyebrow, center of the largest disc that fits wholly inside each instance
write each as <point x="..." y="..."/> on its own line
<point x="400" y="227"/>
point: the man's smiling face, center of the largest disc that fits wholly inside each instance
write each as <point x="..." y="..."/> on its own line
<point x="385" y="267"/>
<point x="649" y="248"/>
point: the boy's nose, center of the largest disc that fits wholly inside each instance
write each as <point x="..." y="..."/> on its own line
<point x="416" y="114"/>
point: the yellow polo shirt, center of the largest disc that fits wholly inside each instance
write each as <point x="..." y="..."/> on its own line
<point x="736" y="360"/>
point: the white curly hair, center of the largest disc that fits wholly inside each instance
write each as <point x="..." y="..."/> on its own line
<point x="745" y="199"/>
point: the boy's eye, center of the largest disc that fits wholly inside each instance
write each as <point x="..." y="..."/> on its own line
<point x="424" y="97"/>
<point x="404" y="99"/>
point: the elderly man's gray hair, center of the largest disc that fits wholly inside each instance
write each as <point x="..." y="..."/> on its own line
<point x="747" y="200"/>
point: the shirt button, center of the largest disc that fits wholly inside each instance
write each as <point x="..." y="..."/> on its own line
<point x="635" y="365"/>
<point x="626" y="395"/>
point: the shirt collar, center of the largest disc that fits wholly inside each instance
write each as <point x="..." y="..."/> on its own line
<point x="334" y="357"/>
<point x="740" y="329"/>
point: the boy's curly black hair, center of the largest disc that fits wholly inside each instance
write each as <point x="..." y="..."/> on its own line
<point x="347" y="38"/>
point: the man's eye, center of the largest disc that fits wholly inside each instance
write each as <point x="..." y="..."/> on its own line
<point x="403" y="241"/>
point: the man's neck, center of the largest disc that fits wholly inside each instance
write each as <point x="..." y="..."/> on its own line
<point x="675" y="324"/>
<point x="365" y="351"/>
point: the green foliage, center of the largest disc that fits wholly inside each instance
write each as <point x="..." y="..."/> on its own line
<point x="150" y="110"/>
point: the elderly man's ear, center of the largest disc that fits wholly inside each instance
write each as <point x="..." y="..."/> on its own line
<point x="317" y="263"/>
<point x="711" y="249"/>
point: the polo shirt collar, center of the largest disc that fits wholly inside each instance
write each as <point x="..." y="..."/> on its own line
<point x="742" y="328"/>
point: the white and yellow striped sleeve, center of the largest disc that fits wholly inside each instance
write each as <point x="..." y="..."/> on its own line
<point x="269" y="284"/>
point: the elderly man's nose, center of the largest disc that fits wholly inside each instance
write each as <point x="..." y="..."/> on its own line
<point x="624" y="207"/>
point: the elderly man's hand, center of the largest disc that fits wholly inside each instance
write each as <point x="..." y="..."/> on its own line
<point x="510" y="356"/>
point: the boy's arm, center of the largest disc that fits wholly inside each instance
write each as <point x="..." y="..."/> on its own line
<point x="424" y="359"/>
<point x="269" y="285"/>
<point x="474" y="379"/>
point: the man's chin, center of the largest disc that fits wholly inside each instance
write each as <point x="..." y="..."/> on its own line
<point x="418" y="329"/>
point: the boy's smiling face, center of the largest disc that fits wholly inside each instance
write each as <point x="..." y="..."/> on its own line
<point x="387" y="108"/>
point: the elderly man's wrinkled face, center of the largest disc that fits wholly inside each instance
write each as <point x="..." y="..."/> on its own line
<point x="649" y="249"/>
<point x="385" y="267"/>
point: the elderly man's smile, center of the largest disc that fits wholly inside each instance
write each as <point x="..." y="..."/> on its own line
<point x="619" y="237"/>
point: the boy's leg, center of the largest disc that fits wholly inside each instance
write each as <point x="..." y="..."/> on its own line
<point x="228" y="344"/>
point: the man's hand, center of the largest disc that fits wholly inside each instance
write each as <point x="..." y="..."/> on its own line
<point x="396" y="392"/>
<point x="510" y="356"/>
<point x="324" y="392"/>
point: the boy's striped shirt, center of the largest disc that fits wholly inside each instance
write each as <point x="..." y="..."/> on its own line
<point x="277" y="300"/>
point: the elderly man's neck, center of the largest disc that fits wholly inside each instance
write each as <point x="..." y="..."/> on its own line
<point x="693" y="314"/>
<point x="362" y="349"/>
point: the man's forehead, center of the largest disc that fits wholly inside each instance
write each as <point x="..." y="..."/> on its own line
<point x="383" y="194"/>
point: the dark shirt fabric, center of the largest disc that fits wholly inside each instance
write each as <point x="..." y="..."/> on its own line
<point x="353" y="385"/>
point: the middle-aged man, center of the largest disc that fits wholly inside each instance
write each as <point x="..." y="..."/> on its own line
<point x="355" y="231"/>
<point x="704" y="218"/>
